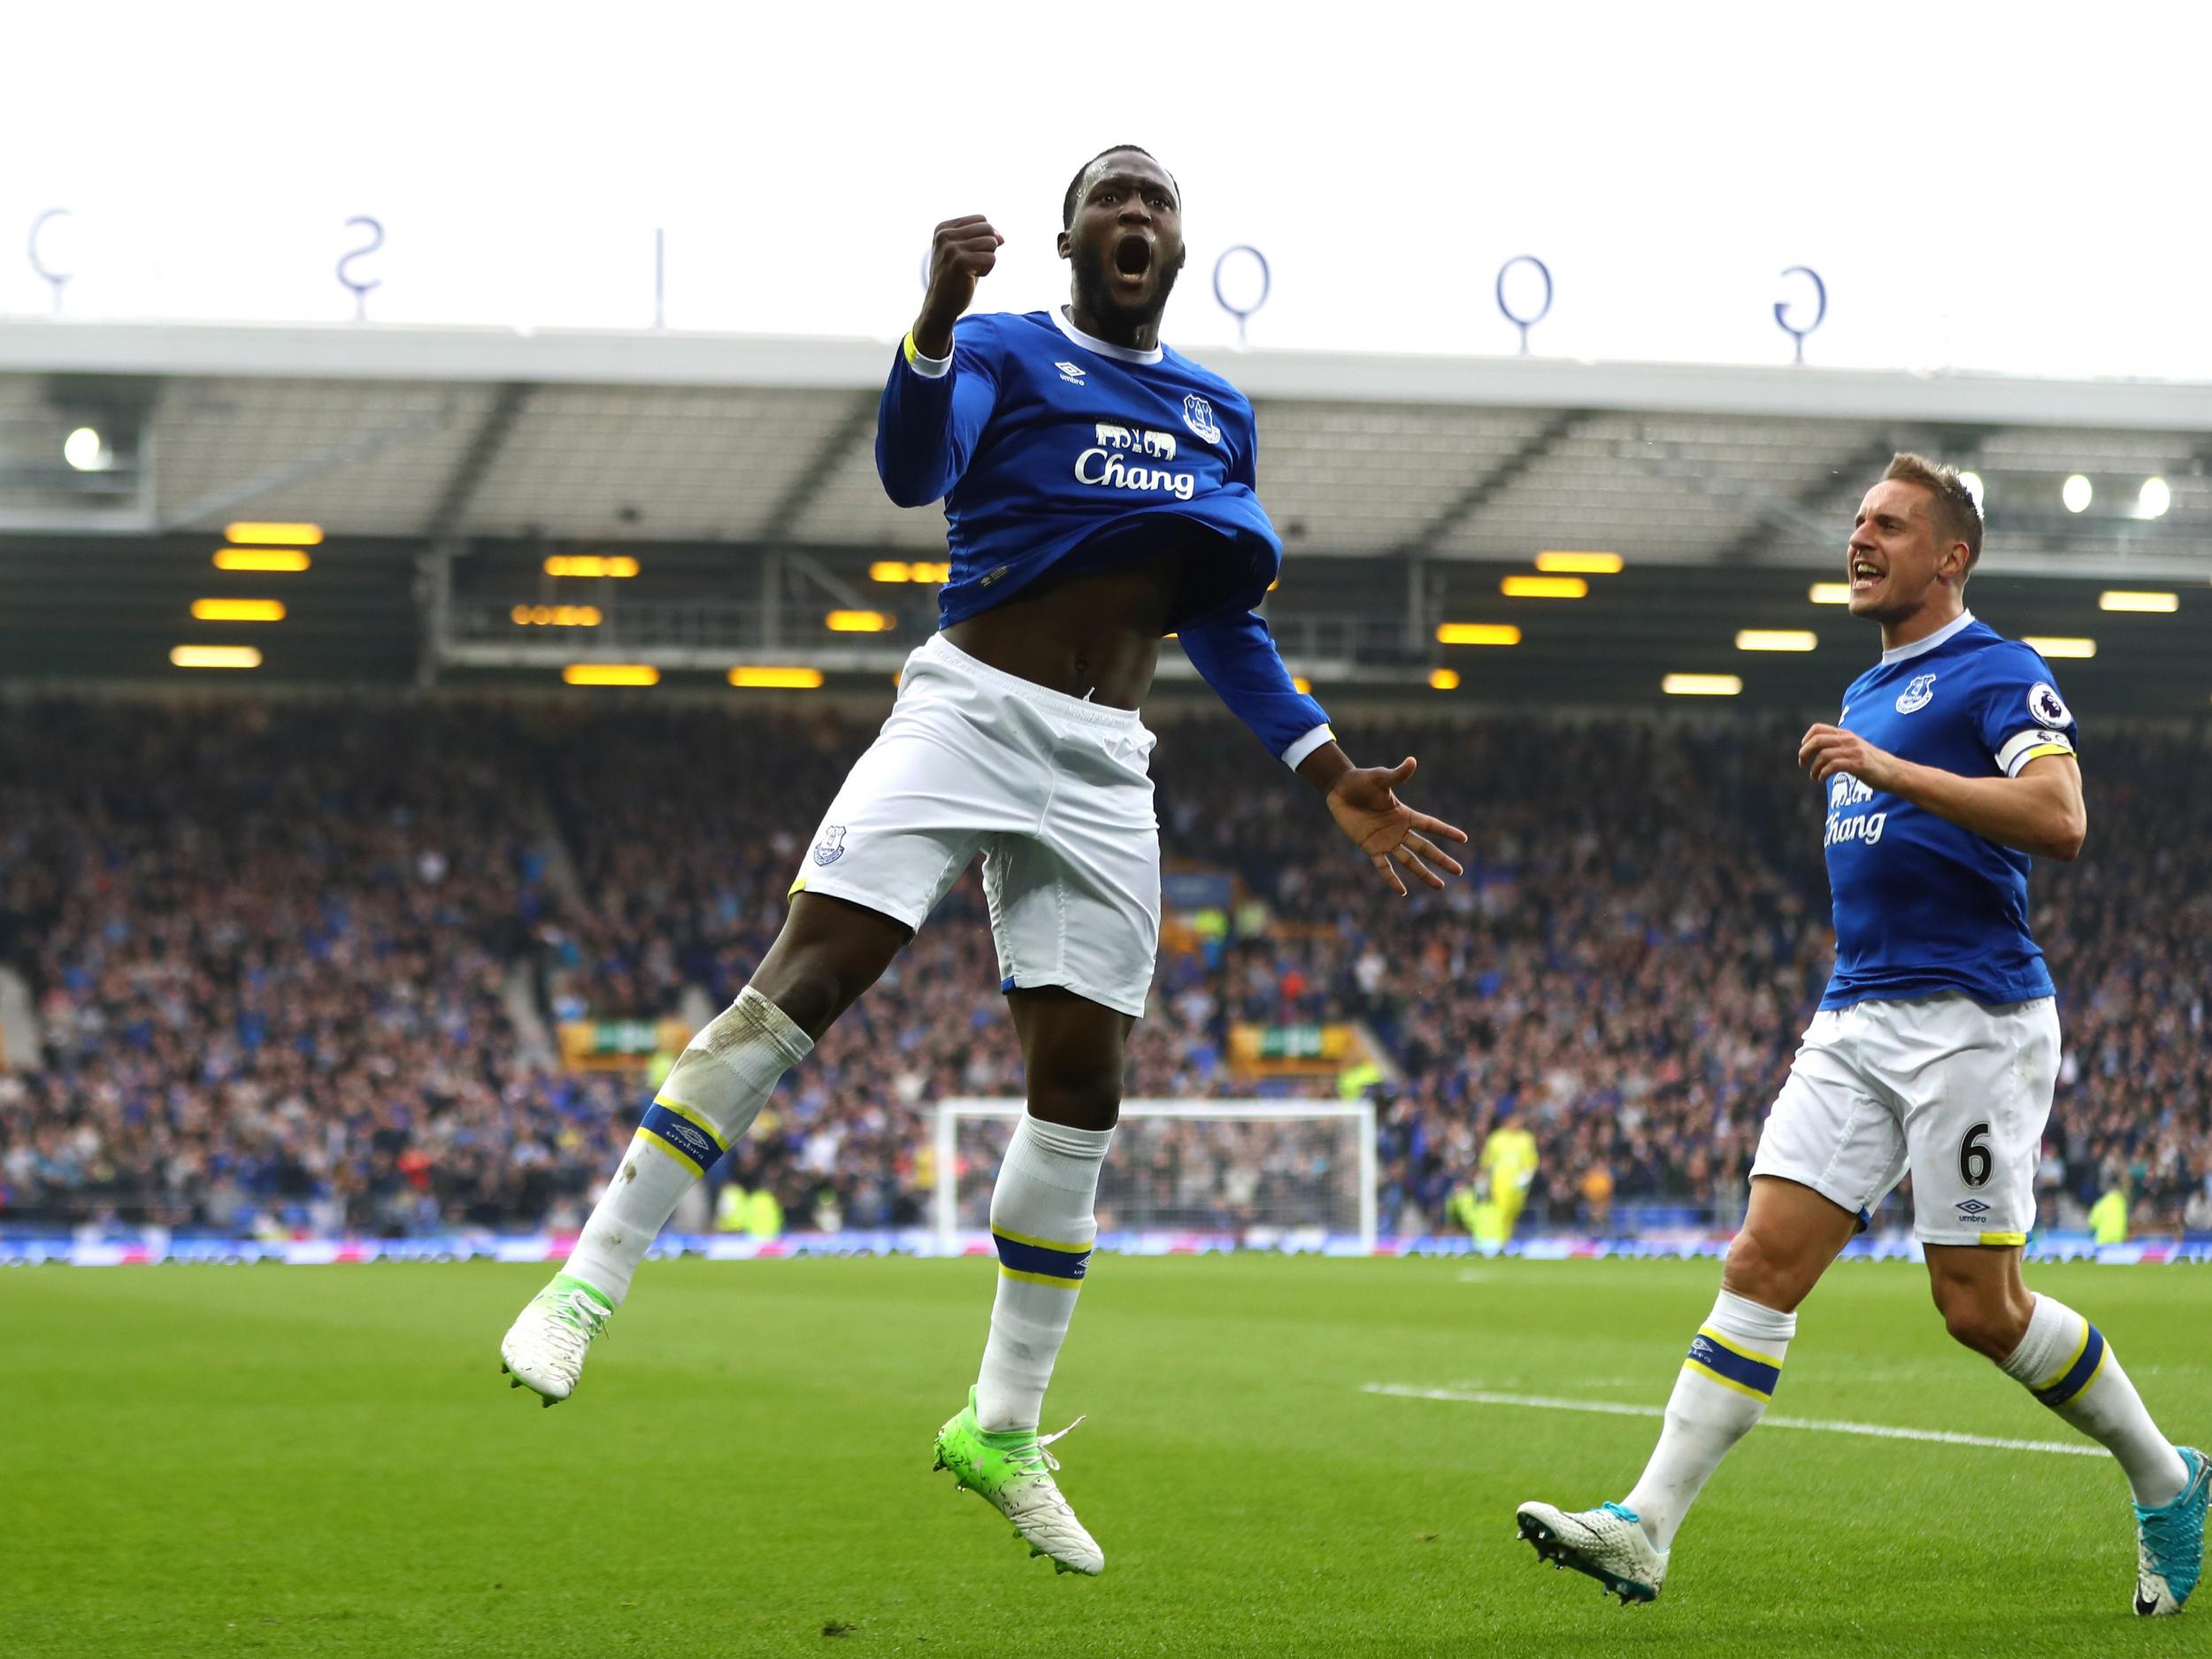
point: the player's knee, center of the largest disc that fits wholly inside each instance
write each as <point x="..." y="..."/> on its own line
<point x="1979" y="1317"/>
<point x="810" y="986"/>
<point x="1759" y="1270"/>
<point x="1080" y="1092"/>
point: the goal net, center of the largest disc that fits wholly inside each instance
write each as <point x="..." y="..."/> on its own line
<point x="1266" y="1174"/>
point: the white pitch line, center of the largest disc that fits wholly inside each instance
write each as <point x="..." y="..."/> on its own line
<point x="1615" y="1409"/>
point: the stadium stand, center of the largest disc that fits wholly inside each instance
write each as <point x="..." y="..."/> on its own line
<point x="294" y="966"/>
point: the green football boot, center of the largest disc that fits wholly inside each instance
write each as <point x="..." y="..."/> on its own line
<point x="543" y="1350"/>
<point x="1012" y="1472"/>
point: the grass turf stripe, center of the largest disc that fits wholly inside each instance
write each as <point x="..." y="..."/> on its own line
<point x="1825" y="1426"/>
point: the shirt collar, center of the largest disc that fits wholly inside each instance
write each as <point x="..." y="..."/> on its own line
<point x="1104" y="348"/>
<point x="1921" y="648"/>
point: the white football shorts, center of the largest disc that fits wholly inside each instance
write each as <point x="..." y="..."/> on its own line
<point x="1053" y="790"/>
<point x="1953" y="1091"/>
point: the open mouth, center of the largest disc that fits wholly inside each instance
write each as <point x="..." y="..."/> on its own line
<point x="1864" y="575"/>
<point x="1133" y="256"/>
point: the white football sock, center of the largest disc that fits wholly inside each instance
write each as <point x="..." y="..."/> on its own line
<point x="712" y="1094"/>
<point x="2065" y="1362"/>
<point x="1735" y="1361"/>
<point x="1042" y="1225"/>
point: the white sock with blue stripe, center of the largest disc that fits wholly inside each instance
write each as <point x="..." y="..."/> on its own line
<point x="1042" y="1224"/>
<point x="1734" y="1362"/>
<point x="2065" y="1362"/>
<point x="713" y="1094"/>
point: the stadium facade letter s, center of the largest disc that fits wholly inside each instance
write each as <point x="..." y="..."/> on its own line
<point x="360" y="289"/>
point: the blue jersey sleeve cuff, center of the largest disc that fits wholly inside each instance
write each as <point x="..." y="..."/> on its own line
<point x="928" y="368"/>
<point x="1295" y="755"/>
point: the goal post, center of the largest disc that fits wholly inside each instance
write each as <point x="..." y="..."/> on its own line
<point x="1266" y="1170"/>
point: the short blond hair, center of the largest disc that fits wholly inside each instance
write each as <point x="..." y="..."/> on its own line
<point x="1958" y="516"/>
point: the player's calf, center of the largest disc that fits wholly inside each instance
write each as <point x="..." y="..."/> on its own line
<point x="711" y="1096"/>
<point x="2066" y="1364"/>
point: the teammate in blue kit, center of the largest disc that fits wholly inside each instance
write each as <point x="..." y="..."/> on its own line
<point x="1099" y="496"/>
<point x="1936" y="1049"/>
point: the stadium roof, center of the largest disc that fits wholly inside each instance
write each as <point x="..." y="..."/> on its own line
<point x="444" y="464"/>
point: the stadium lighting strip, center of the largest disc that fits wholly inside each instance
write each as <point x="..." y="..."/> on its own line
<point x="556" y="616"/>
<point x="265" y="559"/>
<point x="1701" y="686"/>
<point x="293" y="535"/>
<point x="858" y="622"/>
<point x="1563" y="564"/>
<point x="238" y="611"/>
<point x="215" y="657"/>
<point x="754" y="677"/>
<point x="1830" y="593"/>
<point x="2119" y="599"/>
<point x="2052" y="645"/>
<point x="1444" y="679"/>
<point x="1777" y="640"/>
<point x="611" y="674"/>
<point x="1544" y="587"/>
<point x="1478" y="634"/>
<point x="911" y="571"/>
<point x="620" y="565"/>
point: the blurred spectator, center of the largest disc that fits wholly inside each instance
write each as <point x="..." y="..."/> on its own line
<point x="292" y="965"/>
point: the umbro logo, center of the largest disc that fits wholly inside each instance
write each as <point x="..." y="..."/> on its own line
<point x="1071" y="373"/>
<point x="1973" y="1209"/>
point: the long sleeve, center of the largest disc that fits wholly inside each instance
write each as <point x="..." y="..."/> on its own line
<point x="1236" y="655"/>
<point x="933" y="412"/>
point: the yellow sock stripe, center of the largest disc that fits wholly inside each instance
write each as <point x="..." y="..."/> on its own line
<point x="1737" y="1347"/>
<point x="1040" y="1279"/>
<point x="2072" y="1359"/>
<point x="695" y="1117"/>
<point x="2095" y="1371"/>
<point x="1710" y="1375"/>
<point x="674" y="1151"/>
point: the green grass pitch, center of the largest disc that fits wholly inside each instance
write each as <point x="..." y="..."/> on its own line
<point x="324" y="1461"/>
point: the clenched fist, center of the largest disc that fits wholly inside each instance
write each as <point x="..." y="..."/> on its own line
<point x="961" y="254"/>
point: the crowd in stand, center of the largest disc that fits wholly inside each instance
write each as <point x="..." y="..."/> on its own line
<point x="288" y="962"/>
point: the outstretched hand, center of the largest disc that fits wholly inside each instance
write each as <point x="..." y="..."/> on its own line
<point x="1365" y="805"/>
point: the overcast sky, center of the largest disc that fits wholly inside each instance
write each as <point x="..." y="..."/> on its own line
<point x="2020" y="188"/>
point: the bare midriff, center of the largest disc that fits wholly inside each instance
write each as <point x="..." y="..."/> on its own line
<point x="1096" y="634"/>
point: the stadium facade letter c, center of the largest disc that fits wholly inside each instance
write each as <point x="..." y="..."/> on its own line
<point x="58" y="279"/>
<point x="1820" y="308"/>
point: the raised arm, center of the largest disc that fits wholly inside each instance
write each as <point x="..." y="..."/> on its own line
<point x="940" y="390"/>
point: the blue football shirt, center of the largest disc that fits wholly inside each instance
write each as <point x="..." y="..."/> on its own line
<point x="1055" y="450"/>
<point x="1922" y="906"/>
